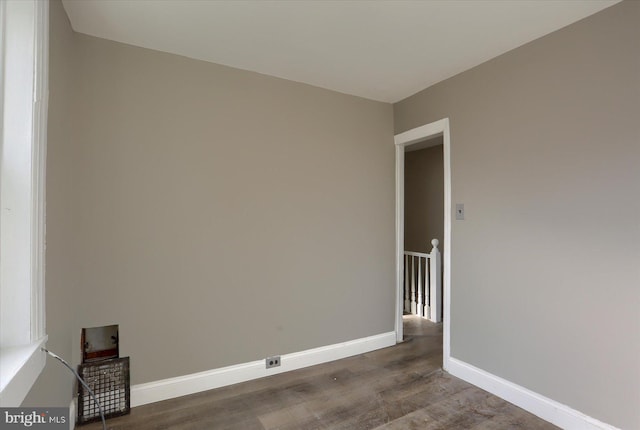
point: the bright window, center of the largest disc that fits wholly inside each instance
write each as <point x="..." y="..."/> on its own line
<point x="23" y="118"/>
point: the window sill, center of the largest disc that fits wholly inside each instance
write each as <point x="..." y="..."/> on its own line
<point x="20" y="366"/>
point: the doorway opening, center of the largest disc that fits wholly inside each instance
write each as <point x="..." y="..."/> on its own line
<point x="419" y="138"/>
<point x="423" y="229"/>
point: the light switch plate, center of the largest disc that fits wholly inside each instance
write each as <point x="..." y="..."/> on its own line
<point x="459" y="211"/>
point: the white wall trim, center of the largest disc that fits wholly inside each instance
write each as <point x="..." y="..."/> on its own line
<point x="401" y="141"/>
<point x="142" y="394"/>
<point x="549" y="410"/>
<point x="399" y="240"/>
<point x="72" y="414"/>
<point x="24" y="39"/>
<point x="39" y="169"/>
<point x="19" y="368"/>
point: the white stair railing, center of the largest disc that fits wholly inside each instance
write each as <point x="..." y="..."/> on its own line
<point x="423" y="283"/>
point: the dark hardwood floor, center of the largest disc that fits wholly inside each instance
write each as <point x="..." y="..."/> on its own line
<point x="401" y="387"/>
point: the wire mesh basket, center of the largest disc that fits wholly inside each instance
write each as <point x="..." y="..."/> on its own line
<point x="109" y="381"/>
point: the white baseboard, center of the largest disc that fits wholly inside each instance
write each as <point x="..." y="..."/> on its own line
<point x="72" y="414"/>
<point x="142" y="394"/>
<point x="549" y="410"/>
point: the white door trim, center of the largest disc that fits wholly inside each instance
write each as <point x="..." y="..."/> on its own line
<point x="401" y="141"/>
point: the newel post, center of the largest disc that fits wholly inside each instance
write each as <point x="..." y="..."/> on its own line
<point x="435" y="283"/>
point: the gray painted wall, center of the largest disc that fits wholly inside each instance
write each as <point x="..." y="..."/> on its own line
<point x="424" y="198"/>
<point x="218" y="216"/>
<point x="545" y="145"/>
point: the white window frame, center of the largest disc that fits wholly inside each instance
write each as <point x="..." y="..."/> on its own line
<point x="24" y="45"/>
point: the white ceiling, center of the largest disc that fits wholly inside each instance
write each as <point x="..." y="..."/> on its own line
<point x="381" y="50"/>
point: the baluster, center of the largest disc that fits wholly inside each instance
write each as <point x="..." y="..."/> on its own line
<point x="425" y="308"/>
<point x="435" y="283"/>
<point x="419" y="299"/>
<point x="413" y="285"/>
<point x="407" y="303"/>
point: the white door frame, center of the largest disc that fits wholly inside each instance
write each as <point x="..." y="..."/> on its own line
<point x="402" y="140"/>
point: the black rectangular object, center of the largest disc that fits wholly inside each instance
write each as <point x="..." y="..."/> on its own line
<point x="109" y="381"/>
